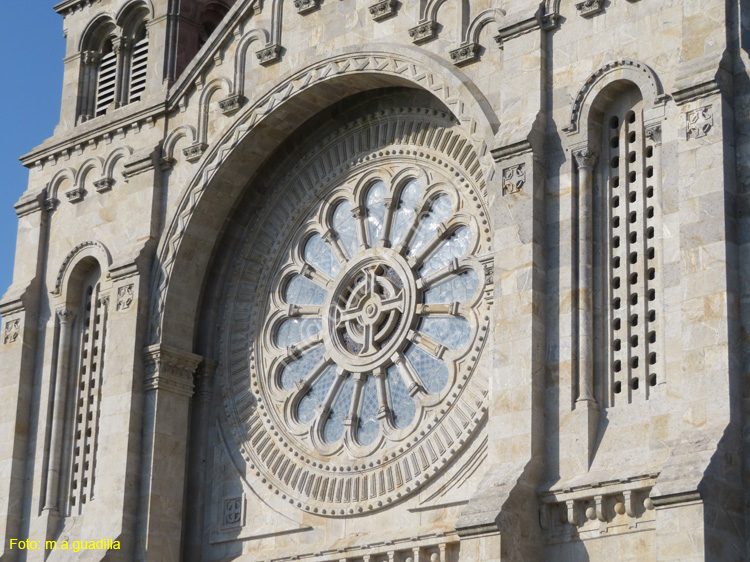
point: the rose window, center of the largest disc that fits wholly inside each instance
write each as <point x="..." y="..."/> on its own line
<point x="357" y="317"/>
<point x="374" y="311"/>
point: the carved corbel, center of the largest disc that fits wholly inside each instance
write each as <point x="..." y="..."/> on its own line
<point x="269" y="54"/>
<point x="383" y="9"/>
<point x="465" y="54"/>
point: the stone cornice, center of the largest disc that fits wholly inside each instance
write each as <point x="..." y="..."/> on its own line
<point x="30" y="203"/>
<point x="64" y="8"/>
<point x="93" y="132"/>
<point x="170" y="369"/>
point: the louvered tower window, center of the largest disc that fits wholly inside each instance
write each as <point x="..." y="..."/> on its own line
<point x="106" y="81"/>
<point x="87" y="396"/>
<point x="627" y="256"/>
<point x="138" y="67"/>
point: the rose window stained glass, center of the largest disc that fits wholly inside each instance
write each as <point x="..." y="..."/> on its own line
<point x="362" y="305"/>
<point x="371" y="315"/>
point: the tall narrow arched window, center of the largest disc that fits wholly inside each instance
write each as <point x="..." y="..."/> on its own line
<point x="87" y="369"/>
<point x="106" y="80"/>
<point x="114" y="63"/>
<point x="625" y="255"/>
<point x="138" y="65"/>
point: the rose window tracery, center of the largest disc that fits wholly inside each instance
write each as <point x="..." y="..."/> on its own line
<point x="370" y="324"/>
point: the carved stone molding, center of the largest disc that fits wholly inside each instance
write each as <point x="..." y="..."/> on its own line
<point x="12" y="331"/>
<point x="699" y="122"/>
<point x="342" y="477"/>
<point x="653" y="132"/>
<point x="140" y="162"/>
<point x="465" y="54"/>
<point x="640" y="74"/>
<point x="170" y="369"/>
<point x="104" y="184"/>
<point x="383" y="9"/>
<point x="231" y="104"/>
<point x="444" y="86"/>
<point x="269" y="55"/>
<point x="124" y="297"/>
<point x="30" y="203"/>
<point x="75" y="195"/>
<point x="585" y="158"/>
<point x="89" y="245"/>
<point x="514" y="179"/>
<point x="194" y="152"/>
<point x="599" y="510"/>
<point x="306" y="6"/>
<point x="589" y="8"/>
<point x="423" y="32"/>
<point x="518" y="28"/>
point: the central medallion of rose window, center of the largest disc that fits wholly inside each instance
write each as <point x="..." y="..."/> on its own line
<point x="371" y="310"/>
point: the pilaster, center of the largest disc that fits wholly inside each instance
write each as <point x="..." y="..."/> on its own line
<point x="168" y="387"/>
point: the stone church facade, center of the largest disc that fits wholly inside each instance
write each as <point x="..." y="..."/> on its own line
<point x="378" y="280"/>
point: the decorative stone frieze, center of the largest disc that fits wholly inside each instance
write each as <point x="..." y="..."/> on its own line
<point x="423" y="32"/>
<point x="589" y="8"/>
<point x="269" y="55"/>
<point x="699" y="122"/>
<point x="170" y="370"/>
<point x="231" y="104"/>
<point x="606" y="509"/>
<point x="382" y="9"/>
<point x="306" y="6"/>
<point x="465" y="54"/>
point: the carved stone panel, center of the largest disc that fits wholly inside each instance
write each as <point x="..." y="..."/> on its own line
<point x="699" y="122"/>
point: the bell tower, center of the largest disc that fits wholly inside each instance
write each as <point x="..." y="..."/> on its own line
<point x="123" y="55"/>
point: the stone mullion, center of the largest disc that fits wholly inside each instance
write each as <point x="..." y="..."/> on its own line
<point x="637" y="303"/>
<point x="124" y="47"/>
<point x="359" y="216"/>
<point x="652" y="159"/>
<point x="616" y="268"/>
<point x="390" y="206"/>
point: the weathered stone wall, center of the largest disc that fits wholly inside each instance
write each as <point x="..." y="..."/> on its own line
<point x="569" y="450"/>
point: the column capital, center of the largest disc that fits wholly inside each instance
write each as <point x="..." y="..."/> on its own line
<point x="65" y="315"/>
<point x="585" y="158"/>
<point x="170" y="369"/>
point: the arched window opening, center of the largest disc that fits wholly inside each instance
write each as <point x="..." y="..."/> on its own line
<point x="139" y="65"/>
<point x="625" y="254"/>
<point x="114" y="63"/>
<point x="85" y="395"/>
<point x="209" y="20"/>
<point x="106" y="79"/>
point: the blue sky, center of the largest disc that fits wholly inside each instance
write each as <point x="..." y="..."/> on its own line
<point x="31" y="52"/>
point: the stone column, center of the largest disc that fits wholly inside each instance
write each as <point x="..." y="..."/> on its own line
<point x="62" y="376"/>
<point x="168" y="387"/>
<point x="585" y="161"/>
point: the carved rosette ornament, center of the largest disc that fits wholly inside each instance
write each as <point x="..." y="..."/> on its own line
<point x="357" y="326"/>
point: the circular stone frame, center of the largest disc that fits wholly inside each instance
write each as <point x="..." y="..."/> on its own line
<point x="285" y="459"/>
